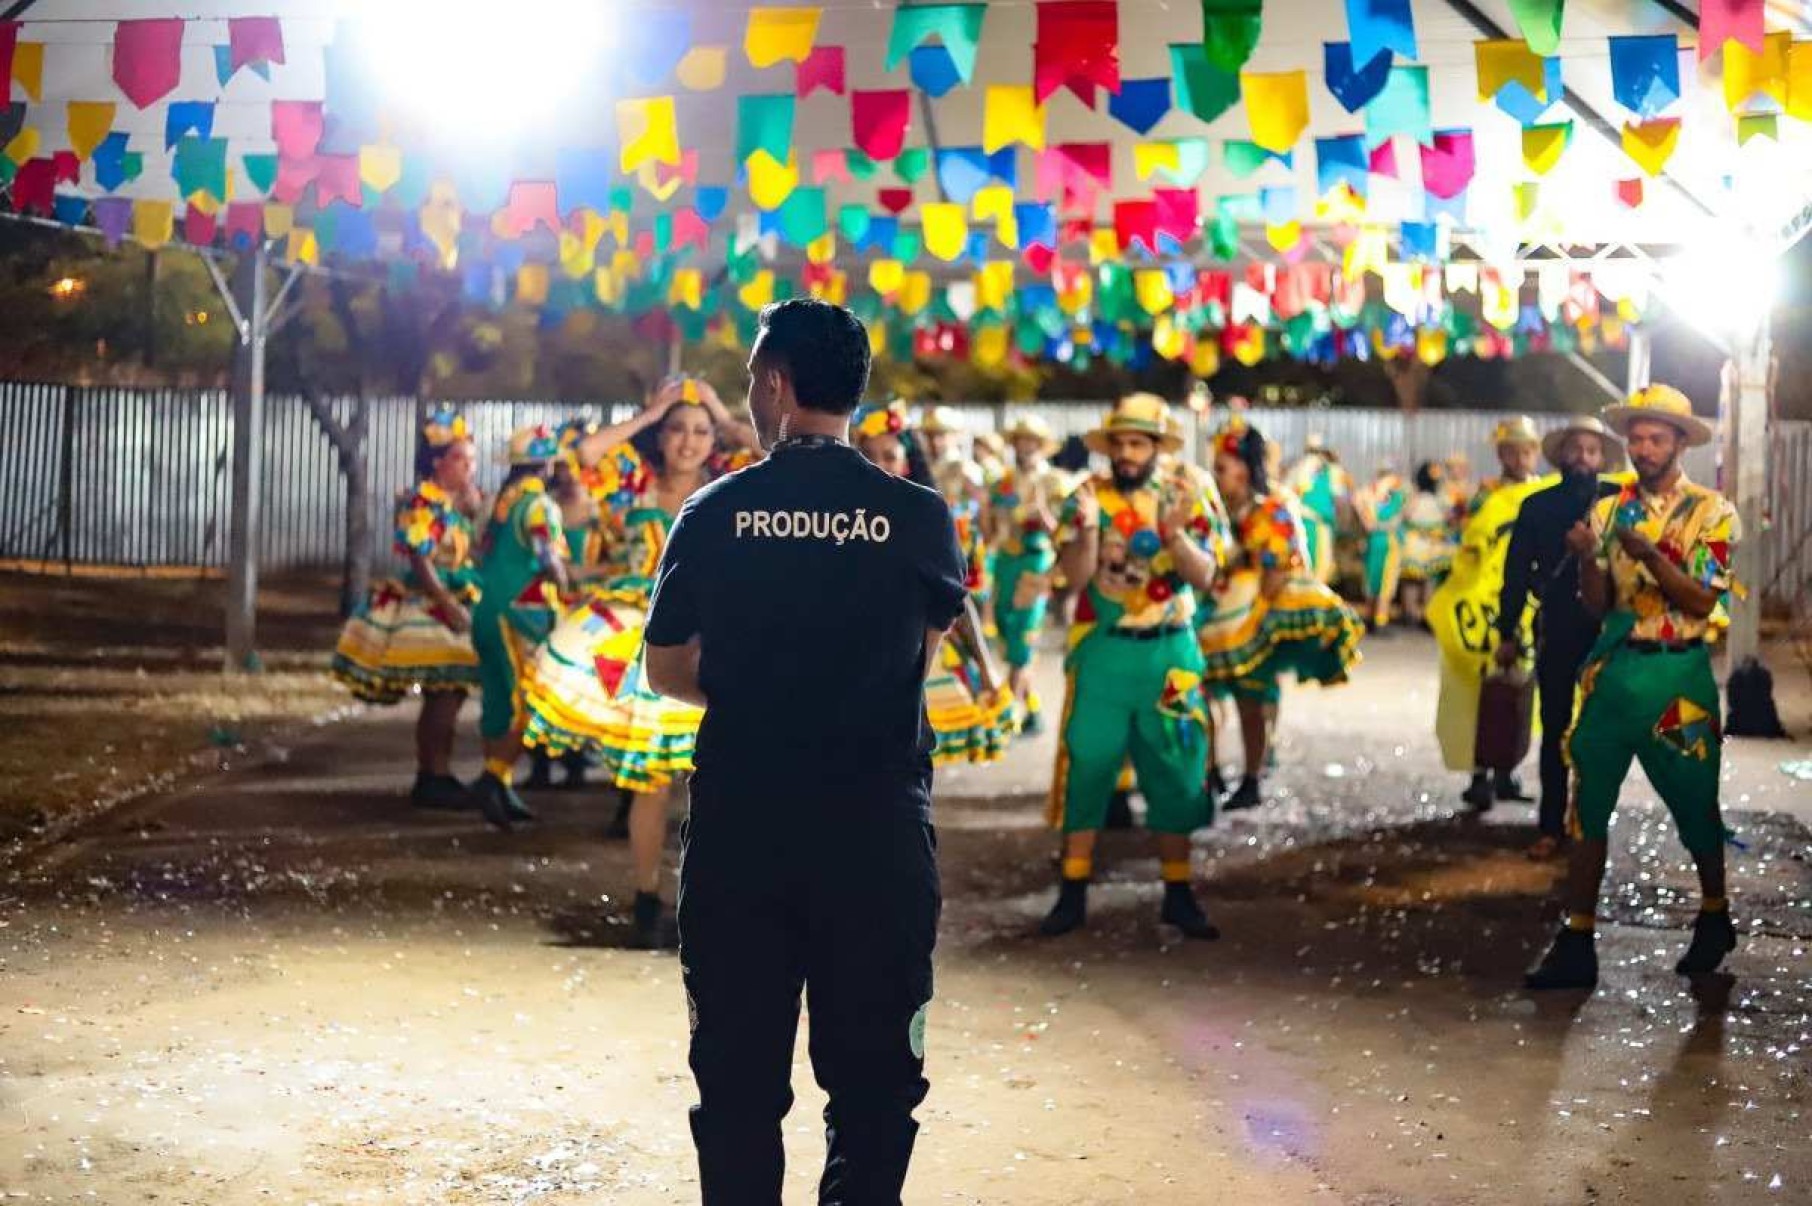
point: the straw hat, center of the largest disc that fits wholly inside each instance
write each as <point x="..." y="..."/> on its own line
<point x="1584" y="425"/>
<point x="1663" y="404"/>
<point x="1142" y="414"/>
<point x="1520" y="430"/>
<point x="941" y="420"/>
<point x="1031" y="427"/>
<point x="532" y="446"/>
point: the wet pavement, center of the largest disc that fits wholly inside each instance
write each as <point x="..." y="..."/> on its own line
<point x="279" y="984"/>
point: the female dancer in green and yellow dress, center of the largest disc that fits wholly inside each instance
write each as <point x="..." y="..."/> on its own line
<point x="1268" y="613"/>
<point x="412" y="635"/>
<point x="970" y="709"/>
<point x="585" y="688"/>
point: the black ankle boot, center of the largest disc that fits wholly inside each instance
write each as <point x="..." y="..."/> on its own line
<point x="1572" y="962"/>
<point x="1478" y="793"/>
<point x="1713" y="937"/>
<point x="1182" y="910"/>
<point x="654" y="928"/>
<point x="575" y="765"/>
<point x="1244" y="796"/>
<point x="1071" y="910"/>
<point x="441" y="793"/>
<point x="1506" y="786"/>
<point x="499" y="802"/>
<point x="541" y="771"/>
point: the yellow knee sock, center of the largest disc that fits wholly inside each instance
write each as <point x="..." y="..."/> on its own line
<point x="1585" y="923"/>
<point x="1174" y="872"/>
<point x="1078" y="868"/>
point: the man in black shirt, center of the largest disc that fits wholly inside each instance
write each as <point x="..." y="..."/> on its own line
<point x="1564" y="630"/>
<point x="801" y="602"/>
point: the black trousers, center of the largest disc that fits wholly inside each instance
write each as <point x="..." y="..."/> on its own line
<point x="1557" y="664"/>
<point x="839" y="900"/>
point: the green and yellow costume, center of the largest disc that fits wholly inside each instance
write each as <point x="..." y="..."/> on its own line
<point x="1324" y="487"/>
<point x="519" y="603"/>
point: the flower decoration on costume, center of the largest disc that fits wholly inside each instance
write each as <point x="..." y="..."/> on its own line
<point x="873" y="421"/>
<point x="445" y="427"/>
<point x="533" y="445"/>
<point x="1231" y="438"/>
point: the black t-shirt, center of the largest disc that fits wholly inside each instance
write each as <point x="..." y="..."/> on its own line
<point x="810" y="580"/>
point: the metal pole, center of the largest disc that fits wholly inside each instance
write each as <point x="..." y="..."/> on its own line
<point x="1748" y="481"/>
<point x="248" y="449"/>
<point x="1640" y="365"/>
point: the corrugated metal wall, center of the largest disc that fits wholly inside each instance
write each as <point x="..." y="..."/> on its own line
<point x="139" y="478"/>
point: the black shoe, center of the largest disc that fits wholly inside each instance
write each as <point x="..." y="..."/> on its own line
<point x="1508" y="787"/>
<point x="499" y="802"/>
<point x="541" y="771"/>
<point x="1244" y="796"/>
<point x="618" y="829"/>
<point x="441" y="793"/>
<point x="1572" y="962"/>
<point x="1713" y="937"/>
<point x="654" y="928"/>
<point x="1071" y="910"/>
<point x="575" y="765"/>
<point x="1216" y="783"/>
<point x="1478" y="793"/>
<point x="1182" y="910"/>
<point x="1119" y="811"/>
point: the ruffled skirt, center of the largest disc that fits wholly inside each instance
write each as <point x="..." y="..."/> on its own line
<point x="1306" y="630"/>
<point x="971" y="723"/>
<point x="586" y="691"/>
<point x="395" y="644"/>
<point x="1427" y="555"/>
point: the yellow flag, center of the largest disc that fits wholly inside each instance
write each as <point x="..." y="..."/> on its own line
<point x="532" y="284"/>
<point x="704" y="68"/>
<point x="1011" y="115"/>
<point x="626" y="265"/>
<point x="779" y="35"/>
<point x="1544" y="145"/>
<point x="647" y="131"/>
<point x="1205" y="357"/>
<point x="23" y="146"/>
<point x="592" y="226"/>
<point x="89" y="122"/>
<point x="1167" y="339"/>
<point x="770" y="181"/>
<point x="1748" y="74"/>
<point x="1249" y="346"/>
<point x="1284" y="237"/>
<point x="988" y="347"/>
<point x="1528" y="199"/>
<point x="617" y="225"/>
<point x="380" y="166"/>
<point x="206" y="202"/>
<point x="1651" y="143"/>
<point x="28" y="68"/>
<point x="994" y="285"/>
<point x="886" y="276"/>
<point x="1103" y="247"/>
<point x="1431" y="345"/>
<point x="1799" y="81"/>
<point x="1509" y="61"/>
<point x="1367" y="252"/>
<point x="440" y="221"/>
<point x="823" y="249"/>
<point x="279" y="220"/>
<point x="1340" y="205"/>
<point x="576" y="260"/>
<point x="687" y="289"/>
<point x="1499" y="300"/>
<point x="915" y="292"/>
<point x="877" y="337"/>
<point x="1149" y="157"/>
<point x="1071" y="300"/>
<point x="759" y="291"/>
<point x="946" y="229"/>
<point x="1277" y="105"/>
<point x="833" y="288"/>
<point x="302" y="247"/>
<point x="995" y="203"/>
<point x="1152" y="287"/>
<point x="604" y="284"/>
<point x="153" y="223"/>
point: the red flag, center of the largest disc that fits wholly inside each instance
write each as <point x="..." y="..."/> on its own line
<point x="1078" y="47"/>
<point x="878" y="121"/>
<point x="147" y="59"/>
<point x="822" y="68"/>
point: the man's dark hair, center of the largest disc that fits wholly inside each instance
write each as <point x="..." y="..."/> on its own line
<point x="823" y="349"/>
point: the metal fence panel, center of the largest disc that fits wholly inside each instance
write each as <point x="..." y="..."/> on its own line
<point x="107" y="476"/>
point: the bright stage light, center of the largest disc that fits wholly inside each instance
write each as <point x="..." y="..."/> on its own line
<point x="1726" y="290"/>
<point x="482" y="72"/>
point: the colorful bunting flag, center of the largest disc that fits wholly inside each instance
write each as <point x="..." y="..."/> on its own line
<point x="1651" y="143"/>
<point x="1401" y="108"/>
<point x="771" y="181"/>
<point x="1544" y="145"/>
<point x="958" y="26"/>
<point x="253" y="41"/>
<point x="88" y="123"/>
<point x="1140" y="104"/>
<point x="1540" y="22"/>
<point x="646" y="132"/>
<point x="1748" y="75"/>
<point x="188" y="117"/>
<point x="1202" y="87"/>
<point x="822" y="68"/>
<point x="1722" y="21"/>
<point x="9" y="39"/>
<point x="28" y="69"/>
<point x="1011" y="115"/>
<point x="703" y="68"/>
<point x="1353" y="86"/>
<point x="933" y="71"/>
<point x="1277" y="105"/>
<point x="764" y="123"/>
<point x="147" y="59"/>
<point x="780" y="35"/>
<point x="1448" y="163"/>
<point x="1376" y="27"/>
<point x="1077" y="47"/>
<point x="1230" y="30"/>
<point x="1645" y="73"/>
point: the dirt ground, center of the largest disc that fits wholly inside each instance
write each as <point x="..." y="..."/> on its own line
<point x="277" y="984"/>
<point x="111" y="685"/>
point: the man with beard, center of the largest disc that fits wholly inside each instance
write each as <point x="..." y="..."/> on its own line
<point x="1564" y="630"/>
<point x="1654" y="561"/>
<point x="1140" y="544"/>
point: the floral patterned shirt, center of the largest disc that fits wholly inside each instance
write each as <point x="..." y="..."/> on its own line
<point x="1019" y="499"/>
<point x="1136" y="583"/>
<point x="1694" y="527"/>
<point x="1269" y="534"/>
<point x="429" y="525"/>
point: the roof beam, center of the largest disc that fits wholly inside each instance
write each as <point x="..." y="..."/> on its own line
<point x="1589" y="115"/>
<point x="15" y="9"/>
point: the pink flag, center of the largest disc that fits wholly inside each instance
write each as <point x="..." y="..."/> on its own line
<point x="878" y="121"/>
<point x="822" y="68"/>
<point x="337" y="179"/>
<point x="688" y="227"/>
<point x="1384" y="159"/>
<point x="147" y="59"/>
<point x="830" y="165"/>
<point x="296" y="128"/>
<point x="531" y="203"/>
<point x="1178" y="212"/>
<point x="254" y="40"/>
<point x="1447" y="166"/>
<point x="1721" y="21"/>
<point x="1078" y="47"/>
<point x="199" y="227"/>
<point x="244" y="223"/>
<point x="9" y="38"/>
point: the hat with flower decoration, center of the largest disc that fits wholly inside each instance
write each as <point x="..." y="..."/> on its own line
<point x="445" y="427"/>
<point x="872" y="421"/>
<point x="1660" y="404"/>
<point x="532" y="446"/>
<point x="1138" y="414"/>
